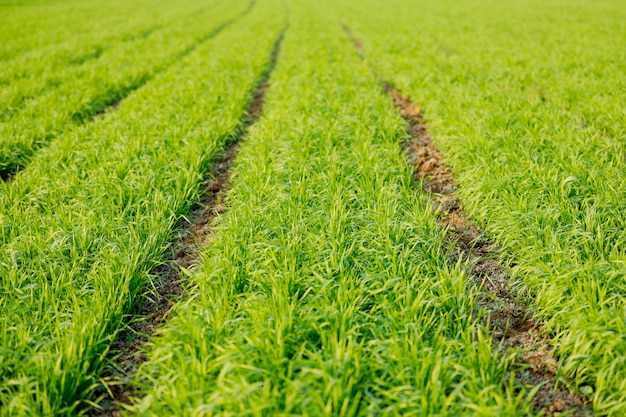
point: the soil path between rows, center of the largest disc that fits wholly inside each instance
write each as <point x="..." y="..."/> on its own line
<point x="512" y="326"/>
<point x="193" y="233"/>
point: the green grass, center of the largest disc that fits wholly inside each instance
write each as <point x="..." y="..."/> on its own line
<point x="74" y="94"/>
<point x="89" y="218"/>
<point x="326" y="289"/>
<point x="55" y="64"/>
<point x="66" y="29"/>
<point x="529" y="110"/>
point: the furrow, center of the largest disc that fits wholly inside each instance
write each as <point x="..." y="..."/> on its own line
<point x="512" y="326"/>
<point x="325" y="290"/>
<point x="193" y="233"/>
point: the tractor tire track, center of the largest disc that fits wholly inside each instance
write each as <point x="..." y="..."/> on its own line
<point x="193" y="233"/>
<point x="510" y="323"/>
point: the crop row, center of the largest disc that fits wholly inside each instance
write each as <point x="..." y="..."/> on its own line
<point x="89" y="218"/>
<point x="529" y="112"/>
<point x="67" y="30"/>
<point x="38" y="110"/>
<point x="29" y="74"/>
<point x="326" y="289"/>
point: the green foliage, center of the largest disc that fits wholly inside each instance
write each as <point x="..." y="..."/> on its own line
<point x="326" y="289"/>
<point x="60" y="91"/>
<point x="527" y="102"/>
<point x="67" y="29"/>
<point x="87" y="220"/>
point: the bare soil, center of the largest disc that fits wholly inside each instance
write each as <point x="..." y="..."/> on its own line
<point x="357" y="43"/>
<point x="193" y="233"/>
